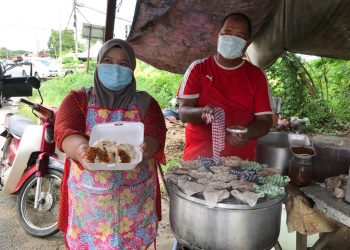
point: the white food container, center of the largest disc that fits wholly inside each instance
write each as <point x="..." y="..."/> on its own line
<point x="122" y="133"/>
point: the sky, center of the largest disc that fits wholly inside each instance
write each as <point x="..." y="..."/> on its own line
<point x="27" y="24"/>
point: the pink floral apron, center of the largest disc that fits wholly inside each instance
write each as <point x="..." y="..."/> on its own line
<point x="111" y="209"/>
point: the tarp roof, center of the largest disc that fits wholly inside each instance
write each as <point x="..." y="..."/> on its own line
<point x="93" y="51"/>
<point x="170" y="34"/>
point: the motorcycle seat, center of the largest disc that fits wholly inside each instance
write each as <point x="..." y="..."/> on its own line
<point x="18" y="123"/>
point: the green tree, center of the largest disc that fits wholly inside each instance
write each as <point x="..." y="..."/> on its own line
<point x="3" y="52"/>
<point x="68" y="42"/>
<point x="10" y="53"/>
<point x="317" y="89"/>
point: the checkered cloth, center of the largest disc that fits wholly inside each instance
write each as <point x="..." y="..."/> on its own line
<point x="247" y="175"/>
<point x="217" y="119"/>
<point x="208" y="161"/>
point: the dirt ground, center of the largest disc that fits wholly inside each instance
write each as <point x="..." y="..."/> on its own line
<point x="175" y="142"/>
<point x="13" y="237"/>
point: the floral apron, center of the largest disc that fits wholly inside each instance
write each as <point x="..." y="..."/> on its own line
<point x="111" y="209"/>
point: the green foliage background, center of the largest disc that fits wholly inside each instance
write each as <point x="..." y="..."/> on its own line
<point x="317" y="89"/>
<point x="162" y="85"/>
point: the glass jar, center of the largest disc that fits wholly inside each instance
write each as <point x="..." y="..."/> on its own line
<point x="300" y="171"/>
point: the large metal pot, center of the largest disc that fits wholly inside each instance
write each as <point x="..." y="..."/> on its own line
<point x="273" y="149"/>
<point x="226" y="226"/>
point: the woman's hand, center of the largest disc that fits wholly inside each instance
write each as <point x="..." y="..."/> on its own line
<point x="144" y="150"/>
<point x="149" y="147"/>
<point x="80" y="155"/>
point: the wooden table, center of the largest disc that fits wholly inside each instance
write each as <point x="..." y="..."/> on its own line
<point x="334" y="214"/>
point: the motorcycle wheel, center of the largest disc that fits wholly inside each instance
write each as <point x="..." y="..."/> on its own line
<point x="41" y="221"/>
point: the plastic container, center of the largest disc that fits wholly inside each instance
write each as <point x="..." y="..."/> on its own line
<point x="300" y="171"/>
<point x="333" y="156"/>
<point x="298" y="140"/>
<point x="237" y="130"/>
<point x="121" y="132"/>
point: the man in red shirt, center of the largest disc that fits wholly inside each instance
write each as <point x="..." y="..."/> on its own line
<point x="227" y="81"/>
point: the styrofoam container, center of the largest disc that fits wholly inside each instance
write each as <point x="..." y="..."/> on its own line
<point x="120" y="132"/>
<point x="298" y="140"/>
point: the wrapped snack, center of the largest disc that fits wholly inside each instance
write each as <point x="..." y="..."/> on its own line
<point x="269" y="171"/>
<point x="200" y="175"/>
<point x="247" y="197"/>
<point x="191" y="187"/>
<point x="220" y="169"/>
<point x="242" y="185"/>
<point x="252" y="165"/>
<point x="213" y="196"/>
<point x="231" y="161"/>
<point x="224" y="177"/>
<point x="276" y="179"/>
<point x="190" y="164"/>
<point x="269" y="189"/>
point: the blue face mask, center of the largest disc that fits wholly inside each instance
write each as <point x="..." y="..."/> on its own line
<point x="231" y="47"/>
<point x="113" y="76"/>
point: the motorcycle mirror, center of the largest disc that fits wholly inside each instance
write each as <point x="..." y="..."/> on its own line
<point x="33" y="82"/>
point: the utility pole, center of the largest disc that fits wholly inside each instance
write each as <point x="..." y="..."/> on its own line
<point x="60" y="36"/>
<point x="110" y="19"/>
<point x="76" y="27"/>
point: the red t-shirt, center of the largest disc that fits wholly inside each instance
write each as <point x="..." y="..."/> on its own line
<point x="241" y="91"/>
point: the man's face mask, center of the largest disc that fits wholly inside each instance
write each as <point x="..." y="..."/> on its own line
<point x="113" y="76"/>
<point x="231" y="47"/>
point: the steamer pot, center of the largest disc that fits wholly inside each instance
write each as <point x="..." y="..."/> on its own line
<point x="226" y="226"/>
<point x="273" y="149"/>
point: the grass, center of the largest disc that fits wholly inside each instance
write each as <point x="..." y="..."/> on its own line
<point x="161" y="85"/>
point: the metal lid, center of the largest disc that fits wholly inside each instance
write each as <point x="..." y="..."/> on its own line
<point x="237" y="129"/>
<point x="173" y="188"/>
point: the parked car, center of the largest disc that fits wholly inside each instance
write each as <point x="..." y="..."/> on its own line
<point x="40" y="67"/>
<point x="12" y="85"/>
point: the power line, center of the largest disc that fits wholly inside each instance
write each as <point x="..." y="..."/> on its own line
<point x="83" y="16"/>
<point x="70" y="16"/>
<point x="119" y="5"/>
<point x="104" y="13"/>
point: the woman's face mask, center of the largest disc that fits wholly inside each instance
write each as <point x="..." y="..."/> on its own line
<point x="113" y="76"/>
<point x="231" y="47"/>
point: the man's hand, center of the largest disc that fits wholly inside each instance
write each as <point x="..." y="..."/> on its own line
<point x="237" y="139"/>
<point x="207" y="114"/>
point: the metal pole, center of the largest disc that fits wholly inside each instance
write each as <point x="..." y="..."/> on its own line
<point x="76" y="27"/>
<point x="88" y="56"/>
<point x="110" y="19"/>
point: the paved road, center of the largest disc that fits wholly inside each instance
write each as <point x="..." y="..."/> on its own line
<point x="12" y="236"/>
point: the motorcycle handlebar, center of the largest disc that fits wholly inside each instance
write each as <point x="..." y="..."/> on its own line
<point x="49" y="114"/>
<point x="26" y="102"/>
